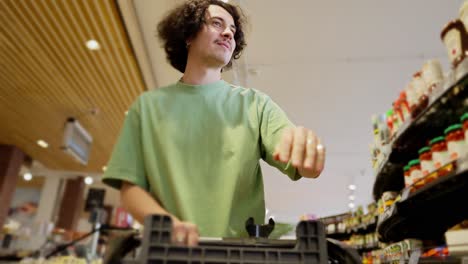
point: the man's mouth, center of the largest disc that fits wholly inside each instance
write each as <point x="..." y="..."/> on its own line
<point x="224" y="44"/>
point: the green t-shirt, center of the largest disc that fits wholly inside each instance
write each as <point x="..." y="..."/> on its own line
<point x="196" y="149"/>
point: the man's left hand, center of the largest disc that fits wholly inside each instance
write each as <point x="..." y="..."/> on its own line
<point x="304" y="149"/>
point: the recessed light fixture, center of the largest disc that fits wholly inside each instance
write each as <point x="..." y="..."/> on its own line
<point x="352" y="187"/>
<point x="351" y="197"/>
<point x="88" y="180"/>
<point x="93" y="44"/>
<point x="27" y="176"/>
<point x="104" y="168"/>
<point x="42" y="143"/>
<point x="351" y="205"/>
<point x="126" y="112"/>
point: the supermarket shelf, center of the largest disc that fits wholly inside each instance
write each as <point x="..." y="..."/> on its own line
<point x="436" y="260"/>
<point x="428" y="212"/>
<point x="340" y="236"/>
<point x="444" y="109"/>
<point x="359" y="230"/>
<point x="367" y="249"/>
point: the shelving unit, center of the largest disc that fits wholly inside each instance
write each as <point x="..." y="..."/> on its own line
<point x="444" y="109"/>
<point x="428" y="212"/>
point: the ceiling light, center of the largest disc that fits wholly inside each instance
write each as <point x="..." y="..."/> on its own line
<point x="126" y="112"/>
<point x="104" y="168"/>
<point x="27" y="176"/>
<point x="88" y="180"/>
<point x="42" y="143"/>
<point x="351" y="205"/>
<point x="352" y="187"/>
<point x="351" y="197"/>
<point x="225" y="1"/>
<point x="93" y="44"/>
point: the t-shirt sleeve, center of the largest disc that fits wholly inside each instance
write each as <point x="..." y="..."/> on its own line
<point x="273" y="121"/>
<point x="126" y="162"/>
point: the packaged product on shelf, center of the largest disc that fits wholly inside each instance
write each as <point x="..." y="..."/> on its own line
<point x="464" y="120"/>
<point x="407" y="175"/>
<point x="455" y="38"/>
<point x="455" y="141"/>
<point x="410" y="245"/>
<point x="380" y="206"/>
<point x="425" y="157"/>
<point x="372" y="209"/>
<point x="416" y="173"/>
<point x="411" y="96"/>
<point x="388" y="198"/>
<point x="440" y="154"/>
<point x="391" y="122"/>
<point x="432" y="75"/>
<point x="404" y="105"/>
<point x="464" y="13"/>
<point x="422" y="98"/>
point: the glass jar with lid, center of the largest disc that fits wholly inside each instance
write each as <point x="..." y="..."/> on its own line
<point x="464" y="121"/>
<point x="440" y="154"/>
<point x="425" y="157"/>
<point x="415" y="172"/>
<point x="455" y="139"/>
<point x="407" y="175"/>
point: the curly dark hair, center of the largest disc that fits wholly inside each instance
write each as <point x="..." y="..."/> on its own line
<point x="186" y="20"/>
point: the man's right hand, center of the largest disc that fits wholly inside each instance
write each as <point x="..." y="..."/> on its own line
<point x="139" y="203"/>
<point x="184" y="234"/>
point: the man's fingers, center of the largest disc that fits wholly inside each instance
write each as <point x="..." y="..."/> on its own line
<point x="299" y="145"/>
<point x="311" y="151"/>
<point x="320" y="164"/>
<point x="179" y="234"/>
<point x="192" y="235"/>
<point x="185" y="234"/>
<point x="286" y="144"/>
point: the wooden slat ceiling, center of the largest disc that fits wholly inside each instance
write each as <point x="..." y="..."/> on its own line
<point x="47" y="74"/>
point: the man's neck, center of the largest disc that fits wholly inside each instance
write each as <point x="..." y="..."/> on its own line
<point x="196" y="74"/>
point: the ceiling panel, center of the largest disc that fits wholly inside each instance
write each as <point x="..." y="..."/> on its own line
<point x="47" y="74"/>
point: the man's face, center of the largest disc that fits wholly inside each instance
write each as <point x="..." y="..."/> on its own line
<point x="215" y="42"/>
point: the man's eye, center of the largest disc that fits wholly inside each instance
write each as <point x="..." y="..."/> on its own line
<point x="217" y="23"/>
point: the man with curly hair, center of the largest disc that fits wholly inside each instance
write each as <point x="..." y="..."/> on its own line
<point x="191" y="150"/>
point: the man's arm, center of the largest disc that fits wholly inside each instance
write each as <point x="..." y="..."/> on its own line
<point x="140" y="203"/>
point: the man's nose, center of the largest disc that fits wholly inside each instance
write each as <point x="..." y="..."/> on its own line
<point x="227" y="33"/>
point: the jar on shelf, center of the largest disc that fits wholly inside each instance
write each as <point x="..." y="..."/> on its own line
<point x="405" y="108"/>
<point x="388" y="198"/>
<point x="455" y="39"/>
<point x="416" y="174"/>
<point x="407" y="175"/>
<point x="432" y="74"/>
<point x="425" y="157"/>
<point x="391" y="122"/>
<point x="455" y="141"/>
<point x="464" y="120"/>
<point x="464" y="13"/>
<point x="440" y="154"/>
<point x="421" y="94"/>
<point x="398" y="111"/>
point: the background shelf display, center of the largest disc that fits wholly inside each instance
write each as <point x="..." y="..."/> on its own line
<point x="429" y="211"/>
<point x="444" y="109"/>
